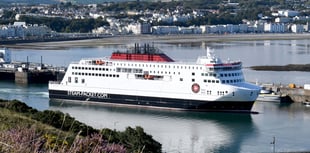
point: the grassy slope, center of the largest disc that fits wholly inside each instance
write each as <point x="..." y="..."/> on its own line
<point x="24" y="129"/>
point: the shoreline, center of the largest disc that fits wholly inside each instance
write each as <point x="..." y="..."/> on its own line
<point x="170" y="39"/>
<point x="289" y="67"/>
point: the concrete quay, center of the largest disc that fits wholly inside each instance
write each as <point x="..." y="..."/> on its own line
<point x="289" y="93"/>
<point x="31" y="75"/>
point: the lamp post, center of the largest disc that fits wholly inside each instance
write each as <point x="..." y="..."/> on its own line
<point x="274" y="144"/>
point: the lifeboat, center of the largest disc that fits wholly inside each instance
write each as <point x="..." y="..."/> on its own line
<point x="149" y="77"/>
<point x="99" y="62"/>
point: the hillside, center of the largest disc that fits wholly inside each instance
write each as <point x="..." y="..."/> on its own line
<point x="24" y="129"/>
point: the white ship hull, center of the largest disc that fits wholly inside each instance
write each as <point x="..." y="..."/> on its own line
<point x="189" y="86"/>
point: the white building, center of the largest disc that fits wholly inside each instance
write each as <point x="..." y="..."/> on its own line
<point x="288" y="13"/>
<point x="297" y="28"/>
<point x="274" y="28"/>
<point x="243" y="28"/>
<point x="140" y="28"/>
<point x="5" y="56"/>
<point x="190" y="30"/>
<point x="258" y="28"/>
<point x="165" y="30"/>
<point x="282" y="20"/>
<point x="21" y="30"/>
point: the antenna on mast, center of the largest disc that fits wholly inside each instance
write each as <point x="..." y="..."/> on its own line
<point x="210" y="52"/>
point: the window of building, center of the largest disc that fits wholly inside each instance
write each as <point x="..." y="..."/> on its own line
<point x="83" y="80"/>
<point x="193" y="74"/>
<point x="181" y="79"/>
<point x="69" y="79"/>
<point x="76" y="80"/>
<point x="193" y="80"/>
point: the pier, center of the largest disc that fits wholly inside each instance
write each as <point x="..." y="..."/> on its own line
<point x="26" y="72"/>
<point x="290" y="92"/>
<point x="30" y="75"/>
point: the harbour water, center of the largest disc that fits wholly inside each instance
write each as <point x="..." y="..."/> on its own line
<point x="193" y="132"/>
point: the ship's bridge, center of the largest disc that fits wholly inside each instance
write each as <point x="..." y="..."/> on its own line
<point x="216" y="64"/>
<point x="205" y="60"/>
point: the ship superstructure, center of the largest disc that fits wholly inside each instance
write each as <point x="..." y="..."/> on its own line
<point x="144" y="76"/>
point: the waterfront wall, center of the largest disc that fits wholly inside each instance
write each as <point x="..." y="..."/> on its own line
<point x="31" y="76"/>
<point x="296" y="94"/>
<point x="290" y="93"/>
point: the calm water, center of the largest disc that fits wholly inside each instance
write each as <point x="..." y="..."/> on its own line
<point x="190" y="132"/>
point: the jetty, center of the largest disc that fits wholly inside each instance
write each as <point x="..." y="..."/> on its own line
<point x="290" y="92"/>
<point x="26" y="72"/>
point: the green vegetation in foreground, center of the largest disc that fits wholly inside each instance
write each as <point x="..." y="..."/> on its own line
<point x="24" y="129"/>
<point x="290" y="67"/>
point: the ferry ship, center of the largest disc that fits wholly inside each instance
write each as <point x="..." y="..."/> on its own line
<point x="146" y="77"/>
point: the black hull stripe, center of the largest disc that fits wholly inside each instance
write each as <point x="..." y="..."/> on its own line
<point x="196" y="105"/>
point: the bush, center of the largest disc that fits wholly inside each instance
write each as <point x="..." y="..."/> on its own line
<point x="133" y="139"/>
<point x="136" y="140"/>
<point x="20" y="140"/>
<point x="17" y="106"/>
<point x="64" y="122"/>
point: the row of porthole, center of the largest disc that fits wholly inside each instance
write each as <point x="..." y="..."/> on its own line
<point x="232" y="81"/>
<point x="230" y="74"/>
<point x="160" y="66"/>
<point x="222" y="74"/>
<point x="90" y="68"/>
<point x="95" y="74"/>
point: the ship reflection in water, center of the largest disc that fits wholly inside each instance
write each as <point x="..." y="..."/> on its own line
<point x="177" y="131"/>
